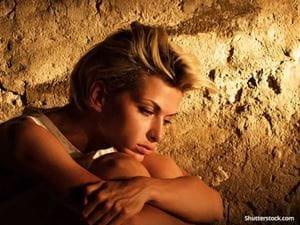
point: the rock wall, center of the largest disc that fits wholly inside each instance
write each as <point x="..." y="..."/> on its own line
<point x="244" y="140"/>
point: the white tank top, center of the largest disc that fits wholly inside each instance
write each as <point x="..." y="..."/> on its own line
<point x="84" y="159"/>
<point x="23" y="200"/>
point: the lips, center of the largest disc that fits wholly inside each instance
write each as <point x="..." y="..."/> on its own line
<point x="144" y="149"/>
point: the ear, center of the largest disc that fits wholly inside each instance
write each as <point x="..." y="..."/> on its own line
<point x="96" y="97"/>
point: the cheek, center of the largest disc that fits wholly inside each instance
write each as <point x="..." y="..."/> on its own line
<point x="133" y="129"/>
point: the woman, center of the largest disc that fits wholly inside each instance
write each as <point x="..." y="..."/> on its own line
<point x="124" y="92"/>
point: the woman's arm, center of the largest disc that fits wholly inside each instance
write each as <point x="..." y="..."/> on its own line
<point x="181" y="196"/>
<point x="187" y="197"/>
<point x="38" y="153"/>
<point x="116" y="166"/>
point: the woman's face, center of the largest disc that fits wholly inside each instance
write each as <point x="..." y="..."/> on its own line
<point x="134" y="121"/>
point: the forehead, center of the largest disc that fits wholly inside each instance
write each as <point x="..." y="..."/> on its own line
<point x="154" y="89"/>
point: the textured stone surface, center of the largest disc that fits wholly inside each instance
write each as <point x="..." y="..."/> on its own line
<point x="244" y="140"/>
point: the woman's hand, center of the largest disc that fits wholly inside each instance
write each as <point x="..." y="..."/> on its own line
<point x="112" y="202"/>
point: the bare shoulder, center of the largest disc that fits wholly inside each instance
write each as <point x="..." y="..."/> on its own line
<point x="26" y="132"/>
<point x="14" y="135"/>
<point x="162" y="166"/>
<point x="24" y="126"/>
<point x="34" y="143"/>
<point x="39" y="153"/>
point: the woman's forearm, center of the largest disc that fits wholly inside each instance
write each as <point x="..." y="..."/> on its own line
<point x="187" y="197"/>
<point x="152" y="215"/>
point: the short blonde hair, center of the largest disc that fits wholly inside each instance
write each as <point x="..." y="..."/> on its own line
<point x="123" y="58"/>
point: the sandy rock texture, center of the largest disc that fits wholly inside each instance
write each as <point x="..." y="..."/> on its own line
<point x="243" y="140"/>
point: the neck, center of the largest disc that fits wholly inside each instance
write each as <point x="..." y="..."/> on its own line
<point x="77" y="127"/>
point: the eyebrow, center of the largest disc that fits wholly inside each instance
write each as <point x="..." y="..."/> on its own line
<point x="158" y="108"/>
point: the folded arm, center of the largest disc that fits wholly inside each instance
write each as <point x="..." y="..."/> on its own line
<point x="185" y="197"/>
<point x="38" y="153"/>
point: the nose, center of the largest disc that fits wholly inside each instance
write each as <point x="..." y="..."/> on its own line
<point x="155" y="133"/>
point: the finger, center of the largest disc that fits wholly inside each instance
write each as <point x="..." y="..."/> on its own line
<point x="85" y="200"/>
<point x="105" y="220"/>
<point x="100" y="198"/>
<point x="92" y="205"/>
<point x="101" y="212"/>
<point x="119" y="219"/>
<point x="95" y="216"/>
<point x="90" y="188"/>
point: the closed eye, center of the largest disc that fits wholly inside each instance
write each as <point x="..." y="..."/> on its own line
<point x="146" y="111"/>
<point x="167" y="122"/>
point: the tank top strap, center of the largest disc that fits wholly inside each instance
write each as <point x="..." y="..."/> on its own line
<point x="37" y="121"/>
<point x="43" y="121"/>
<point x="84" y="159"/>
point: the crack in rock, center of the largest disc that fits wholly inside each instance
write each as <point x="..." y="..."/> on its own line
<point x="98" y="6"/>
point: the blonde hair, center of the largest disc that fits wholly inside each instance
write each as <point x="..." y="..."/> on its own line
<point x="123" y="58"/>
